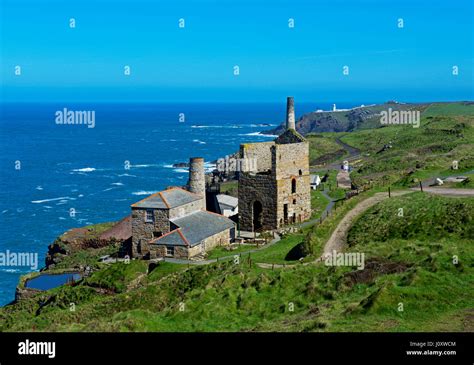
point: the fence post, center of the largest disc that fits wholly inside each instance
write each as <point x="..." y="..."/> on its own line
<point x="389" y="192"/>
<point x="421" y="186"/>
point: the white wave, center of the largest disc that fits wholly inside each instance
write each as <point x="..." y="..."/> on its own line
<point x="62" y="218"/>
<point x="47" y="207"/>
<point x="168" y="166"/>
<point x="85" y="169"/>
<point x="39" y="187"/>
<point x="49" y="200"/>
<point x="10" y="270"/>
<point x="4" y="211"/>
<point x="144" y="165"/>
<point x="142" y="192"/>
<point x="108" y="189"/>
<point x="80" y="195"/>
<point x="261" y="125"/>
<point x="259" y="134"/>
<point x="129" y="175"/>
<point x="198" y="141"/>
<point x="117" y="184"/>
<point x="215" y="126"/>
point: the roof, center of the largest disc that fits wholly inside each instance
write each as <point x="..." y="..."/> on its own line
<point x="227" y="200"/>
<point x="121" y="231"/>
<point x="194" y="228"/>
<point x="289" y="136"/>
<point x="315" y="179"/>
<point x="167" y="199"/>
<point x="173" y="238"/>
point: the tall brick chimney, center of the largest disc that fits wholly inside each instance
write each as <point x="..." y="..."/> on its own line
<point x="196" y="182"/>
<point x="290" y="113"/>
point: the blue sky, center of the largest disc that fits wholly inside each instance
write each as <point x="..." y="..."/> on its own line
<point x="195" y="63"/>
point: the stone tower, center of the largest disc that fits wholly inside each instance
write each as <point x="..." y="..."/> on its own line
<point x="278" y="192"/>
<point x="196" y="182"/>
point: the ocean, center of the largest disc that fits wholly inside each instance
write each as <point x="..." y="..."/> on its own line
<point x="48" y="169"/>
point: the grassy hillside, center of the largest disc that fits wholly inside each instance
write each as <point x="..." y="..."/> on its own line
<point x="415" y="153"/>
<point x="416" y="270"/>
<point x="345" y="120"/>
<point x="324" y="149"/>
<point x="418" y="274"/>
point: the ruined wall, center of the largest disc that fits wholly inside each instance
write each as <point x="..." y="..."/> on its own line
<point x="142" y="231"/>
<point x="257" y="187"/>
<point x="259" y="151"/>
<point x="291" y="162"/>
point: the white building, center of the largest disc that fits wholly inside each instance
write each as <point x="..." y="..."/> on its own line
<point x="228" y="205"/>
<point x="315" y="180"/>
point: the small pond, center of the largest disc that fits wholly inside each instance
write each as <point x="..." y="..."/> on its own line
<point x="50" y="281"/>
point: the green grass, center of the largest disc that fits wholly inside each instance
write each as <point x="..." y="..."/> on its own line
<point x="416" y="153"/>
<point x="87" y="257"/>
<point x="323" y="149"/>
<point x="278" y="252"/>
<point x="466" y="184"/>
<point x="230" y="188"/>
<point x="163" y="269"/>
<point x="318" y="203"/>
<point x="330" y="185"/>
<point x="116" y="276"/>
<point x="436" y="109"/>
<point x="416" y="216"/>
<point x="222" y="251"/>
<point x="421" y="245"/>
<point x="228" y="297"/>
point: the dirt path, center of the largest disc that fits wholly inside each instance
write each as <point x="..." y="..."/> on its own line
<point x="339" y="236"/>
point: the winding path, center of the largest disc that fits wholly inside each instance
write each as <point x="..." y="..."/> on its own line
<point x="338" y="237"/>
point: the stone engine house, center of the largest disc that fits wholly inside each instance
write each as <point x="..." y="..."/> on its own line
<point x="278" y="191"/>
<point x="174" y="222"/>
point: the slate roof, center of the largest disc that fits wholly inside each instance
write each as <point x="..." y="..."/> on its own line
<point x="315" y="179"/>
<point x="227" y="200"/>
<point x="166" y="199"/>
<point x="289" y="136"/>
<point x="194" y="228"/>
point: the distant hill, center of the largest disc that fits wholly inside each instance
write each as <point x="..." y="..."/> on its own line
<point x="363" y="117"/>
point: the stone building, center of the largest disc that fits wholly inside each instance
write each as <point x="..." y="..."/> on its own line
<point x="277" y="192"/>
<point x="175" y="223"/>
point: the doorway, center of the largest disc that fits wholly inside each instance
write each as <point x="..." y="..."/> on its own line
<point x="257" y="215"/>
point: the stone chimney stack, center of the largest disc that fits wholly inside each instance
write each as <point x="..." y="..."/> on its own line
<point x="196" y="182"/>
<point x="290" y="113"/>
